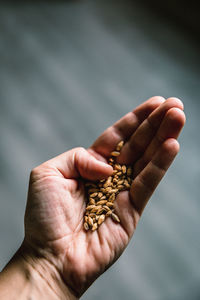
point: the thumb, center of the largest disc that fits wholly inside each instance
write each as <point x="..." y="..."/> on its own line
<point x="79" y="162"/>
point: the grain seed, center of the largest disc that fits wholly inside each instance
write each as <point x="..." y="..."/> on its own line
<point x="92" y="201"/>
<point x="101" y="202"/>
<point x="95" y="209"/>
<point x="115" y="153"/>
<point x="90" y="221"/>
<point x="100" y="194"/>
<point x="100" y="211"/>
<point x="124" y="169"/>
<point x="115" y="218"/>
<point x="101" y="219"/>
<point x="86" y="226"/>
<point x="120" y="182"/>
<point x="94" y="227"/>
<point x="110" y="204"/>
<point x="112" y="197"/>
<point x="109" y="213"/>
<point x="92" y="215"/>
<point x="120" y="145"/>
<point x="90" y="207"/>
<point x="105" y="207"/>
<point x="120" y="187"/>
<point x="93" y="195"/>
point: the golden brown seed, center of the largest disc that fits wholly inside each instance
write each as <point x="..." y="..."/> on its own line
<point x="120" y="182"/>
<point x="114" y="191"/>
<point x="96" y="208"/>
<point x="112" y="197"/>
<point x="102" y="180"/>
<point x="115" y="218"/>
<point x="101" y="219"/>
<point x="94" y="227"/>
<point x="127" y="185"/>
<point x="90" y="221"/>
<point x="120" y="187"/>
<point x="100" y="211"/>
<point x="124" y="169"/>
<point x="103" y="197"/>
<point x="115" y="153"/>
<point x="100" y="194"/>
<point x="120" y="145"/>
<point x="101" y="202"/>
<point x="108" y="189"/>
<point x="110" y="204"/>
<point x="108" y="182"/>
<point x="105" y="207"/>
<point x="92" y="215"/>
<point x="92" y="201"/>
<point x="111" y="161"/>
<point x="94" y="194"/>
<point x="89" y="207"/>
<point x="119" y="173"/>
<point x="117" y="167"/>
<point x="86" y="226"/>
<point x="109" y="213"/>
<point x="86" y="218"/>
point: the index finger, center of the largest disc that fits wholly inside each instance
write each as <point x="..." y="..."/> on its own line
<point x="124" y="128"/>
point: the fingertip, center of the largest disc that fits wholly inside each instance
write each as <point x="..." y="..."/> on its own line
<point x="177" y="115"/>
<point x="176" y="102"/>
<point x="156" y="99"/>
<point x="151" y="104"/>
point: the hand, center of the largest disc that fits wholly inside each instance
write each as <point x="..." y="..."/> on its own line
<point x="54" y="234"/>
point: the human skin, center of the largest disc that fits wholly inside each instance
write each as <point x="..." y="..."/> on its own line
<point x="58" y="259"/>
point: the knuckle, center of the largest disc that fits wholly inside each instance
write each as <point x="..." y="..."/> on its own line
<point x="34" y="174"/>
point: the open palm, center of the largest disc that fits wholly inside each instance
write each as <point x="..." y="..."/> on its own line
<point x="56" y="199"/>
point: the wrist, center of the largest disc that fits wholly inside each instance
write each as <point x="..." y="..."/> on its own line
<point x="27" y="275"/>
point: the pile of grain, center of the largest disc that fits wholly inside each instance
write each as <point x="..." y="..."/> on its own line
<point x="102" y="194"/>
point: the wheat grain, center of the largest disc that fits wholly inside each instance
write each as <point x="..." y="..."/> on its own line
<point x="102" y="194"/>
<point x="115" y="217"/>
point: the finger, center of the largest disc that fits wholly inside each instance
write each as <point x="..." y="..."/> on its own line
<point x="170" y="127"/>
<point x="141" y="138"/>
<point x="146" y="182"/>
<point x="79" y="162"/>
<point x="125" y="127"/>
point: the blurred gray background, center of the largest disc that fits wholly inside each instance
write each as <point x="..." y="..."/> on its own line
<point x="69" y="69"/>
